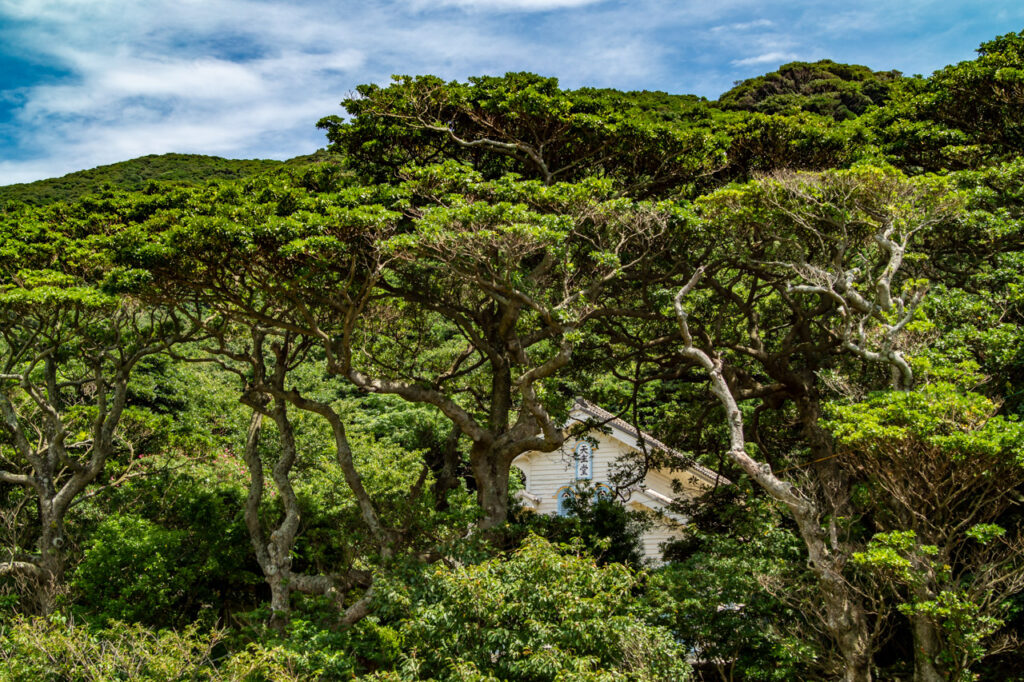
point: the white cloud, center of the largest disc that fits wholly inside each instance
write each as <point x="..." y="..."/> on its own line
<point x="143" y="81"/>
<point x="249" y="78"/>
<point x="766" y="58"/>
<point x="198" y="78"/>
<point x="14" y="172"/>
<point x="508" y="5"/>
<point x="744" y="26"/>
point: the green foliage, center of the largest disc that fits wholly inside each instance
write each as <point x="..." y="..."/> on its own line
<point x="137" y="174"/>
<point x="763" y="143"/>
<point x="475" y="232"/>
<point x="595" y="522"/>
<point x="936" y="464"/>
<point x="963" y="115"/>
<point x="314" y="650"/>
<point x="55" y="649"/>
<point x="940" y="416"/>
<point x="539" y="614"/>
<point x="734" y="591"/>
<point x="609" y="530"/>
<point x="823" y="87"/>
<point x="965" y="623"/>
<point x="526" y="124"/>
<point x="196" y="565"/>
<point x="132" y="571"/>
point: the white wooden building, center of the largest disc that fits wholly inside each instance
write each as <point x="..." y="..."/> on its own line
<point x="591" y="458"/>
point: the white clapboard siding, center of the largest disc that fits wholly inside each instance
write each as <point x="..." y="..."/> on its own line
<point x="662" y="532"/>
<point x="547" y="473"/>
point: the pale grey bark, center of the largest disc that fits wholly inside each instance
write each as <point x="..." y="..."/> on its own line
<point x="844" y="617"/>
<point x="269" y="398"/>
<point x="927" y="645"/>
<point x="872" y="311"/>
<point x="274" y="549"/>
<point x="36" y="391"/>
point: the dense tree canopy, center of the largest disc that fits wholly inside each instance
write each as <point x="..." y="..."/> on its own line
<point x="823" y="87"/>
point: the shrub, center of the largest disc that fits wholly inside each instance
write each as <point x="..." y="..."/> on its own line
<point x="540" y="614"/>
<point x="35" y="650"/>
<point x="136" y="570"/>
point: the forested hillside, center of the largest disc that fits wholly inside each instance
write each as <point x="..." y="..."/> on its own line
<point x="258" y="422"/>
<point x="135" y="175"/>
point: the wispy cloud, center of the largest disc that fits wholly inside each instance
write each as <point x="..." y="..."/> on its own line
<point x="766" y="58"/>
<point x="743" y="26"/>
<point x="511" y="5"/>
<point x="249" y="78"/>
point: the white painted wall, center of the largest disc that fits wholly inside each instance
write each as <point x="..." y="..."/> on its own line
<point x="549" y="472"/>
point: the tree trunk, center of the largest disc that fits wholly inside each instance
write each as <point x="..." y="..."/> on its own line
<point x="853" y="644"/>
<point x="927" y="647"/>
<point x="858" y="671"/>
<point x="844" y="617"/>
<point x="444" y="463"/>
<point x="491" y="487"/>
<point x="268" y="555"/>
<point x="51" y="558"/>
<point x="280" y="600"/>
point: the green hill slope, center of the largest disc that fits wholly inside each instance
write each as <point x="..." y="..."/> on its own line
<point x="134" y="174"/>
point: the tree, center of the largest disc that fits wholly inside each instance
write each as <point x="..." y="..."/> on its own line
<point x="525" y="124"/>
<point x="823" y="87"/>
<point x="736" y="590"/>
<point x="831" y="237"/>
<point x="541" y="613"/>
<point x="963" y="116"/>
<point x="937" y="468"/>
<point x="67" y="353"/>
<point x="499" y="281"/>
<point x="236" y="265"/>
<point x="469" y="301"/>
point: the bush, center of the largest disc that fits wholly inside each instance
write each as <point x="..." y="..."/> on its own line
<point x="34" y="650"/>
<point x="132" y="571"/>
<point x="606" y="529"/>
<point x="735" y="591"/>
<point x="136" y="570"/>
<point x="537" y="615"/>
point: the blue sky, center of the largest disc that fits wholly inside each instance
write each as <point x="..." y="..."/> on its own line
<point x="89" y="82"/>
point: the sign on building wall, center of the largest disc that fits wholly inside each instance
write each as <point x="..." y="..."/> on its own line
<point x="584" y="461"/>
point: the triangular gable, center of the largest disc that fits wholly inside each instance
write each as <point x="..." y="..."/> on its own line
<point x="630" y="436"/>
